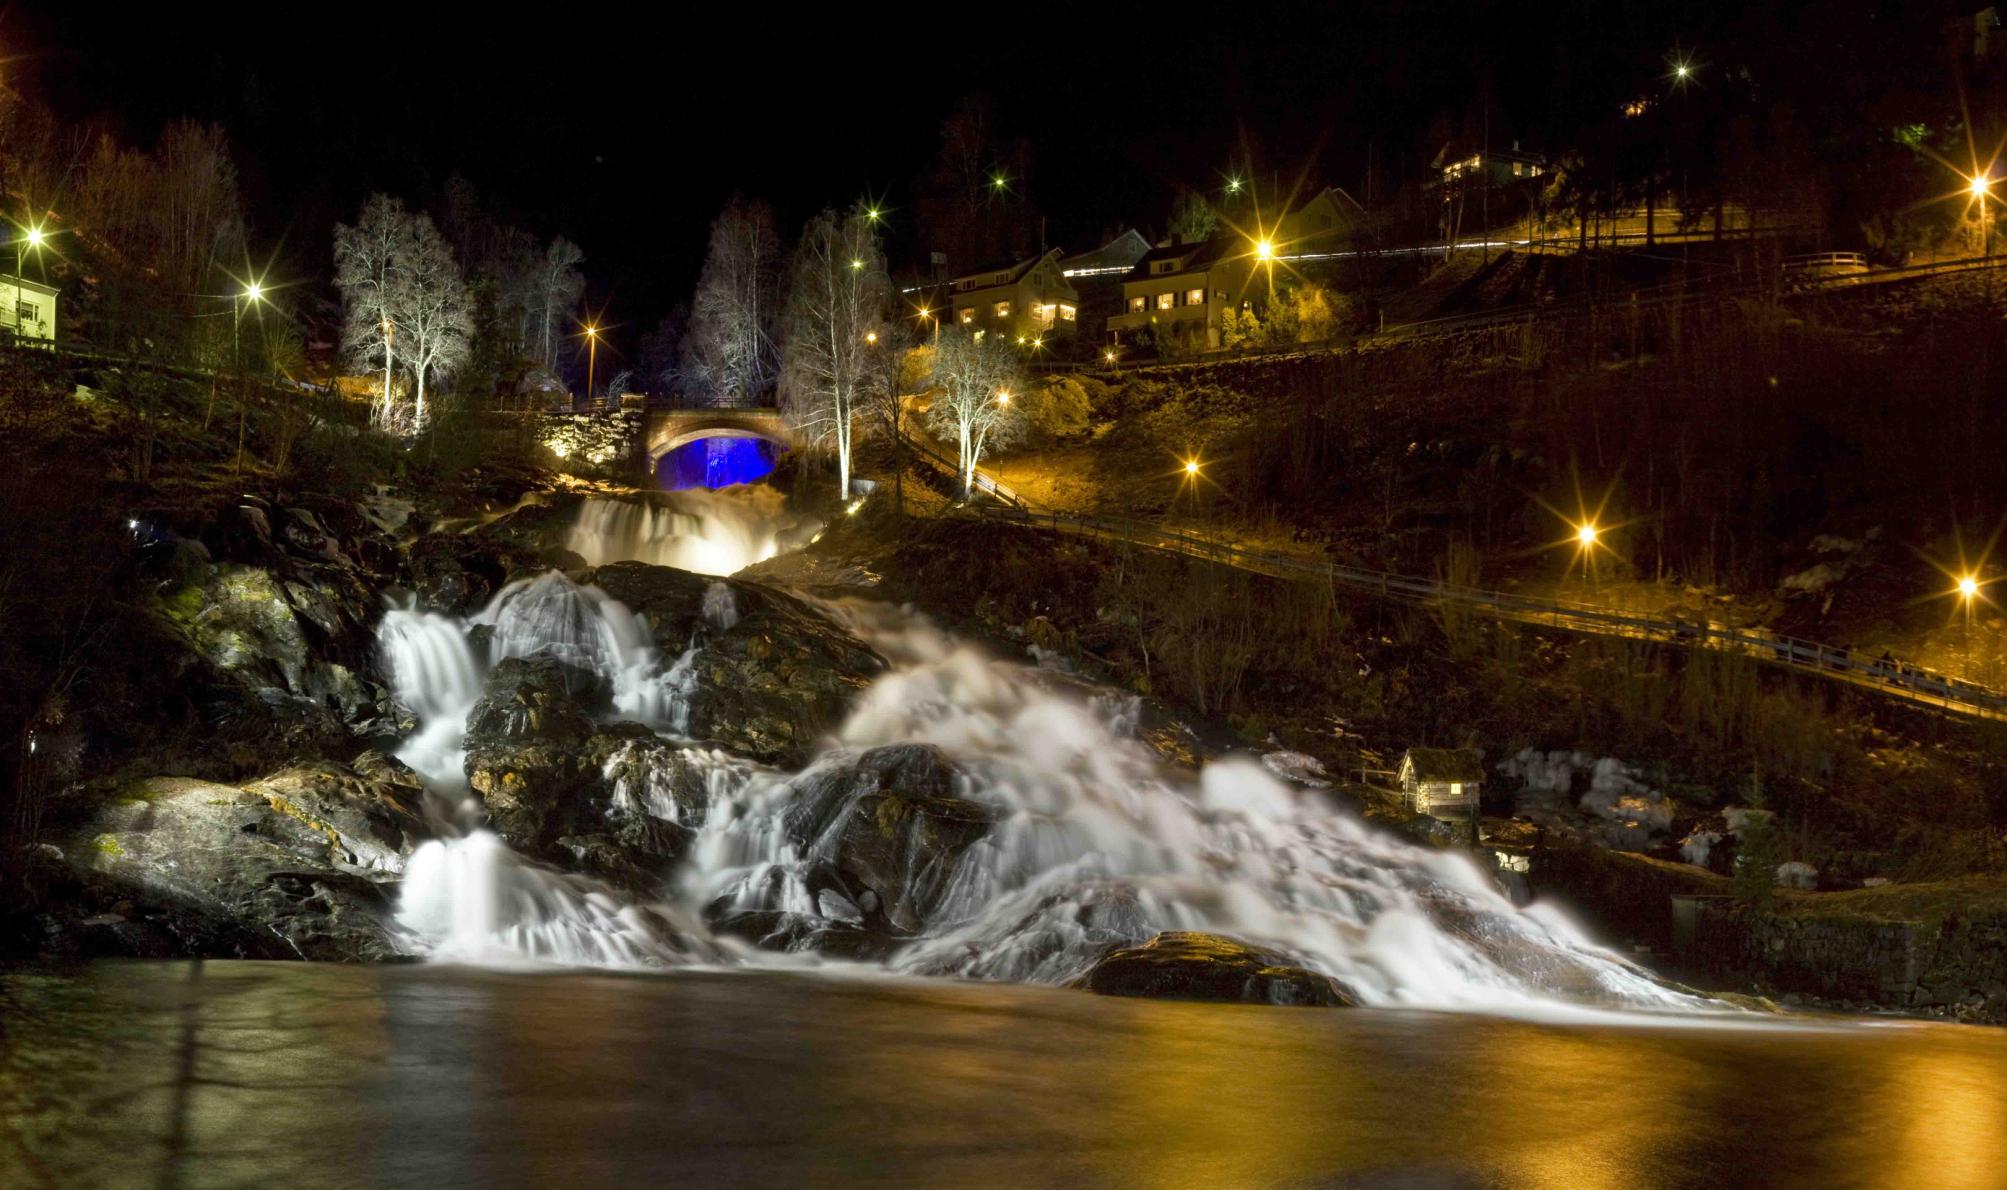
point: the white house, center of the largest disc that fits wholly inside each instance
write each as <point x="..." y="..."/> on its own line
<point x="27" y="309"/>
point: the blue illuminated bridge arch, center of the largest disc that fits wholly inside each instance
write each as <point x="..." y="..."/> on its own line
<point x="714" y="448"/>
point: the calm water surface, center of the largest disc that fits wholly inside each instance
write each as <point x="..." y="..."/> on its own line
<point x="293" y="1075"/>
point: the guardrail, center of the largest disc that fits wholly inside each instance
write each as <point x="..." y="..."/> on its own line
<point x="1886" y="676"/>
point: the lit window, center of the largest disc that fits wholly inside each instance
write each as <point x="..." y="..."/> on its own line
<point x="1067" y="313"/>
<point x="1003" y="309"/>
<point x="1137" y="305"/>
<point x="1220" y="294"/>
<point x="1043" y="314"/>
<point x="1166" y="300"/>
<point x="966" y="314"/>
<point x="1515" y="169"/>
<point x="1195" y="297"/>
<point x="27" y="312"/>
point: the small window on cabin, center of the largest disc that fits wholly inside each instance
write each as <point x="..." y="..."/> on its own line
<point x="1137" y="305"/>
<point x="1195" y="297"/>
<point x="965" y="315"/>
<point x="1003" y="309"/>
<point x="1162" y="266"/>
<point x="27" y="312"/>
<point x="1067" y="313"/>
<point x="1516" y="167"/>
<point x="1166" y="299"/>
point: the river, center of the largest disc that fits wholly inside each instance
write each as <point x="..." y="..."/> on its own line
<point x="297" y="1075"/>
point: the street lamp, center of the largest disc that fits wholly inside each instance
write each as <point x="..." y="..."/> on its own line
<point x="1264" y="249"/>
<point x="1981" y="189"/>
<point x="1586" y="535"/>
<point x="239" y="302"/>
<point x="1191" y="467"/>
<point x="591" y="359"/>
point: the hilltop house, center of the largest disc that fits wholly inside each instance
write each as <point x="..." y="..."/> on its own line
<point x="1441" y="782"/>
<point x="1496" y="168"/>
<point x="1324" y="222"/>
<point x="27" y="309"/>
<point x="1029" y="298"/>
<point x="1178" y="291"/>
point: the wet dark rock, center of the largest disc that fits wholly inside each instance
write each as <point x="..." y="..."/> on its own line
<point x="207" y="869"/>
<point x="894" y="830"/>
<point x="536" y="698"/>
<point x="792" y="932"/>
<point x="766" y="687"/>
<point x="372" y="809"/>
<point x="456" y="574"/>
<point x="1184" y="965"/>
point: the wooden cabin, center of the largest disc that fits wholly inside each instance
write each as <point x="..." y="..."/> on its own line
<point x="1441" y="782"/>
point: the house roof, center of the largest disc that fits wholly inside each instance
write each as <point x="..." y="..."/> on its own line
<point x="1446" y="764"/>
<point x="1013" y="270"/>
<point x="1202" y="256"/>
<point x="1119" y="253"/>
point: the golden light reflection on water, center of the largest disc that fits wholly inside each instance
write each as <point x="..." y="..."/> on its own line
<point x="1954" y="1100"/>
<point x="277" y="1074"/>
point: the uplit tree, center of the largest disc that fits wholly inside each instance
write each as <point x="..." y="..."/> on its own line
<point x="730" y="352"/>
<point x="835" y="311"/>
<point x="432" y="309"/>
<point x="555" y="289"/>
<point x="367" y="259"/>
<point x="974" y="378"/>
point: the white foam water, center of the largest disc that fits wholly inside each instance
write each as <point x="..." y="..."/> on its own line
<point x="706" y="532"/>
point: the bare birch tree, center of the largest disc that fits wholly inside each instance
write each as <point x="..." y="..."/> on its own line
<point x="431" y="309"/>
<point x="367" y="271"/>
<point x="730" y="351"/>
<point x="557" y="289"/>
<point x="976" y="376"/>
<point x="835" y="310"/>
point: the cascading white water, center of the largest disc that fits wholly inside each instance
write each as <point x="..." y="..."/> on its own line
<point x="1087" y="839"/>
<point x="1095" y="843"/>
<point x="433" y="672"/>
<point x="551" y="616"/>
<point x="706" y="532"/>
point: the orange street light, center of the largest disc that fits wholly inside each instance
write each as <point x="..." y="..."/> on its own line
<point x="1586" y="535"/>
<point x="1264" y="249"/>
<point x="1003" y="398"/>
<point x="1968" y="588"/>
<point x="1191" y="466"/>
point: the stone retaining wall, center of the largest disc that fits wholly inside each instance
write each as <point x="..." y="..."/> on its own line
<point x="1958" y="965"/>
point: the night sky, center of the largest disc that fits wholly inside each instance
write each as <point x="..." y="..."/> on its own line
<point x="627" y="129"/>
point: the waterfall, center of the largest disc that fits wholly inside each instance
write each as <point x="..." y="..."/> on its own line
<point x="551" y="616"/>
<point x="432" y="671"/>
<point x="476" y="901"/>
<point x="705" y="532"/>
<point x="1095" y="843"/>
<point x="1072" y="835"/>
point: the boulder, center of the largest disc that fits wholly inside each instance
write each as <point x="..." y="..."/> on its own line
<point x="229" y="872"/>
<point x="373" y="808"/>
<point x="893" y="830"/>
<point x="766" y="685"/>
<point x="879" y="839"/>
<point x="536" y="698"/>
<point x="455" y="574"/>
<point x="1183" y="965"/>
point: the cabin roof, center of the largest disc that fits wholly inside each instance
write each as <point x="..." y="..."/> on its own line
<point x="1446" y="764"/>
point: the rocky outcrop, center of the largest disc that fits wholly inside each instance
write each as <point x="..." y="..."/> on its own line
<point x="1182" y="965"/>
<point x="891" y="830"/>
<point x="299" y="866"/>
<point x="880" y="838"/>
<point x="766" y="685"/>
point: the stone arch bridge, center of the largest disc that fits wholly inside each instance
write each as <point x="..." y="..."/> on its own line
<point x="667" y="429"/>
